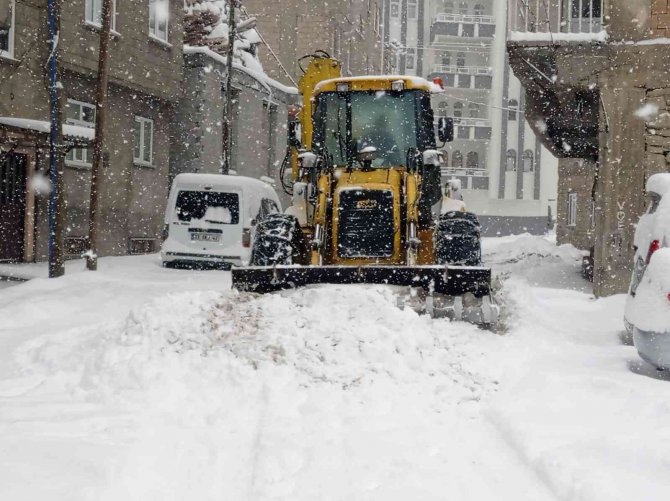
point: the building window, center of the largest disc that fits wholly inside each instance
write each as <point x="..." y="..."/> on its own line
<point x="463" y="8"/>
<point x="395" y="9"/>
<point x="83" y="115"/>
<point x="443" y="109"/>
<point x="94" y="12"/>
<point x="458" y="110"/>
<point x="457" y="159"/>
<point x="448" y="7"/>
<point x="410" y="59"/>
<point x="572" y="209"/>
<point x="144" y="141"/>
<point x="479" y="10"/>
<point x="460" y="60"/>
<point x="446" y="58"/>
<point x="472" y="160"/>
<point x="510" y="165"/>
<point x="528" y="161"/>
<point x="464" y="81"/>
<point x="159" y="13"/>
<point x="585" y="9"/>
<point x="412" y="9"/>
<point x="474" y="109"/>
<point x="463" y="132"/>
<point x="512" y="108"/>
<point x="7" y="28"/>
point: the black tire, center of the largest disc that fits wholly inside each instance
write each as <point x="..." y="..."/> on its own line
<point x="458" y="239"/>
<point x="279" y="241"/>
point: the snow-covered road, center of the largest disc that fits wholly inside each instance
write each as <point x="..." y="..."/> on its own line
<point x="140" y="383"/>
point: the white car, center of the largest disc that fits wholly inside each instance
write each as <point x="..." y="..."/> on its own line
<point x="210" y="219"/>
<point x="647" y="313"/>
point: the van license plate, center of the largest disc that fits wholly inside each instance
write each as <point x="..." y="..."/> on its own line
<point x="205" y="237"/>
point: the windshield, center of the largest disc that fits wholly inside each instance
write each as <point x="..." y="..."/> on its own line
<point x="384" y="120"/>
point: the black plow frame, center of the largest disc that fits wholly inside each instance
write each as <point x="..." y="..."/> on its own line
<point x="449" y="280"/>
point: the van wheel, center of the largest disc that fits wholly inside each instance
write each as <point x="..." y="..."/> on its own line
<point x="279" y="241"/>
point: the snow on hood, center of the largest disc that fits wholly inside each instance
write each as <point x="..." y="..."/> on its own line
<point x="659" y="183"/>
<point x="651" y="311"/>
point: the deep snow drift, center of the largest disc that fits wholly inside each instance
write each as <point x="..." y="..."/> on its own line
<point x="141" y="383"/>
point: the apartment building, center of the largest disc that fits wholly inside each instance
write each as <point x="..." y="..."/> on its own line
<point x="597" y="90"/>
<point x="509" y="178"/>
<point x="145" y="76"/>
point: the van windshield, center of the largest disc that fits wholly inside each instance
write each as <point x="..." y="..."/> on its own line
<point x="212" y="207"/>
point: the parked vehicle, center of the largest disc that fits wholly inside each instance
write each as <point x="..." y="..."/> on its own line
<point x="647" y="313"/>
<point x="210" y="219"/>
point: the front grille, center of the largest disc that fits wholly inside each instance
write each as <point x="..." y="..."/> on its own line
<point x="366" y="228"/>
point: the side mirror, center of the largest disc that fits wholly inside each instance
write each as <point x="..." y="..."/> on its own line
<point x="294" y="134"/>
<point x="445" y="129"/>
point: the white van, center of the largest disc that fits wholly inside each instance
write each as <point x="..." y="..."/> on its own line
<point x="210" y="218"/>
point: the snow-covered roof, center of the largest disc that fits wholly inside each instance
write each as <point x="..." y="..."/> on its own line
<point x="206" y="32"/>
<point x="206" y="25"/>
<point x="261" y="76"/>
<point x="195" y="180"/>
<point x="546" y="36"/>
<point x="45" y="127"/>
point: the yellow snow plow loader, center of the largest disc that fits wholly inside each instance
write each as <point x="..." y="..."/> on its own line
<point x="366" y="198"/>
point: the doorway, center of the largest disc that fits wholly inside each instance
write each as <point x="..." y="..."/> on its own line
<point x="12" y="206"/>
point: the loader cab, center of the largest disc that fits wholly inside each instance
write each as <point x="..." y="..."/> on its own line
<point x="391" y="117"/>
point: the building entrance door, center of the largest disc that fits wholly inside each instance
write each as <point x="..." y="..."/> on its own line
<point x="12" y="206"/>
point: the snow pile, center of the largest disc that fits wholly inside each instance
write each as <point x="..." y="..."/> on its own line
<point x="322" y="393"/>
<point x="647" y="111"/>
<point x="545" y="36"/>
<point x="514" y="249"/>
<point x="304" y="333"/>
<point x="206" y="25"/>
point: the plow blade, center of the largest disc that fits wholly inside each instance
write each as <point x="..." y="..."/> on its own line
<point x="448" y="280"/>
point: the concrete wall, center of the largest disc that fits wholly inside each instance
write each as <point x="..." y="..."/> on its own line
<point x="145" y="81"/>
<point x="576" y="176"/>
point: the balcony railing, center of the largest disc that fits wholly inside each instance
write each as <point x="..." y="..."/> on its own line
<point x="467" y="121"/>
<point x="463" y="18"/>
<point x="556" y="20"/>
<point x="465" y="70"/>
<point x="463" y="171"/>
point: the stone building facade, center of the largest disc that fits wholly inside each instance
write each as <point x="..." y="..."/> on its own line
<point x="145" y="78"/>
<point x="350" y="30"/>
<point x="596" y="84"/>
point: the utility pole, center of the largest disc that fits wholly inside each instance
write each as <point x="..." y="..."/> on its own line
<point x="56" y="205"/>
<point x="94" y="222"/>
<point x="228" y="121"/>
